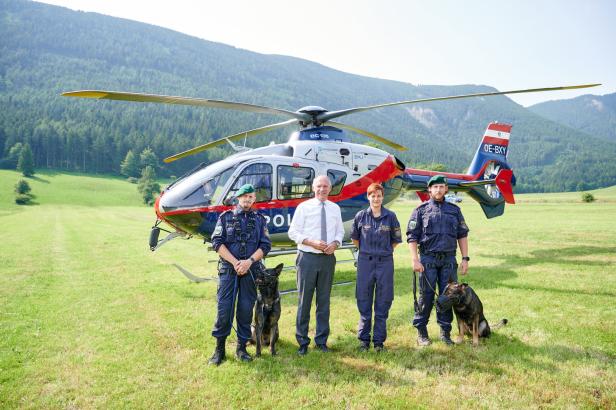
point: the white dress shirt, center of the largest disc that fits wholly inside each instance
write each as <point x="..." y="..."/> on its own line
<point x="306" y="224"/>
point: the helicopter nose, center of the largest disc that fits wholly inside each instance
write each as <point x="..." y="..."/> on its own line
<point x="157" y="205"/>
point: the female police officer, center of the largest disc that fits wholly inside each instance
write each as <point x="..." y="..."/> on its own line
<point x="376" y="232"/>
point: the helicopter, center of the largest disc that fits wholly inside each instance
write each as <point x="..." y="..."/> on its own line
<point x="282" y="174"/>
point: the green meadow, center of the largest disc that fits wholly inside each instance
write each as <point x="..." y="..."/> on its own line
<point x="90" y="318"/>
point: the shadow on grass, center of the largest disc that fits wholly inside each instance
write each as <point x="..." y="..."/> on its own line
<point x="39" y="179"/>
<point x="496" y="276"/>
<point x="405" y="365"/>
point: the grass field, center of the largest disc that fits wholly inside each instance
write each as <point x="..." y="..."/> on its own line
<point x="90" y="318"/>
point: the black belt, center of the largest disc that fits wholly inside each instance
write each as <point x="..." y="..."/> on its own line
<point x="315" y="254"/>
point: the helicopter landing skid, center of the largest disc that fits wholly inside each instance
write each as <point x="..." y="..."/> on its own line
<point x="191" y="277"/>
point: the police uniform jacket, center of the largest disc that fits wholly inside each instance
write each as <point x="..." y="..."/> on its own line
<point x="242" y="233"/>
<point x="436" y="226"/>
<point x="376" y="235"/>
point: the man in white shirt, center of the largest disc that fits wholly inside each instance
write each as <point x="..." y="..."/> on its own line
<point x="318" y="231"/>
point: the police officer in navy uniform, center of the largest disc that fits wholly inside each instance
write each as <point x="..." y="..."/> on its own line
<point x="436" y="228"/>
<point x="376" y="232"/>
<point x="241" y="240"/>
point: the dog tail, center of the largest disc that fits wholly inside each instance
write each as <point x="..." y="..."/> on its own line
<point x="500" y="324"/>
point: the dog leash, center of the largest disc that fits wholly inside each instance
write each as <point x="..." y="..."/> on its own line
<point x="425" y="280"/>
<point x="235" y="286"/>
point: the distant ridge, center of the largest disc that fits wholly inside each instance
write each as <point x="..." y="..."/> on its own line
<point x="47" y="50"/>
<point x="593" y="114"/>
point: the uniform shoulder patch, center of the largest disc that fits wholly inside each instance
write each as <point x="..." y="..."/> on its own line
<point x="218" y="230"/>
<point x="412" y="224"/>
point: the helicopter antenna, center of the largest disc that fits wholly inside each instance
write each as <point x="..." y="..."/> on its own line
<point x="237" y="148"/>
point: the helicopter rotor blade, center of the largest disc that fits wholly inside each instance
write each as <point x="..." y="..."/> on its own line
<point x="200" y="102"/>
<point x="326" y="116"/>
<point x="238" y="136"/>
<point x="368" y="134"/>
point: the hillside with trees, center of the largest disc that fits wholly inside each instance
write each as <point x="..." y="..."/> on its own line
<point x="592" y="114"/>
<point x="46" y="50"/>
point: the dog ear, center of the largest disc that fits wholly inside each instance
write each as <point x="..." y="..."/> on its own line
<point x="278" y="269"/>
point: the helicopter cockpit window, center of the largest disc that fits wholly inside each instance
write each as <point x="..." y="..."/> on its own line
<point x="208" y="192"/>
<point x="295" y="182"/>
<point x="259" y="176"/>
<point x="337" y="179"/>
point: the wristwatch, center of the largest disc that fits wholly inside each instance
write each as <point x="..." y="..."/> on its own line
<point x="466" y="258"/>
<point x="253" y="260"/>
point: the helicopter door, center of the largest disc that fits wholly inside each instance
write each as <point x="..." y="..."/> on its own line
<point x="258" y="175"/>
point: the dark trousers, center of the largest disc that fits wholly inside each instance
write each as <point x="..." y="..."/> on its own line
<point x="375" y="283"/>
<point x="244" y="289"/>
<point x="315" y="272"/>
<point x="437" y="270"/>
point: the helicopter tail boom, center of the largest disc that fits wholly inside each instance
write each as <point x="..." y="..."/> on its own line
<point x="489" y="179"/>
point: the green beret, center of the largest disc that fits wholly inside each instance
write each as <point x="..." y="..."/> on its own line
<point x="437" y="179"/>
<point x="245" y="189"/>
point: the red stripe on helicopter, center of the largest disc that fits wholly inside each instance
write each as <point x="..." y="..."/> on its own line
<point x="499" y="127"/>
<point x="384" y="172"/>
<point x="494" y="140"/>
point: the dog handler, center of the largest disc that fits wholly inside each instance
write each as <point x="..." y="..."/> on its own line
<point x="435" y="227"/>
<point x="375" y="232"/>
<point x="241" y="240"/>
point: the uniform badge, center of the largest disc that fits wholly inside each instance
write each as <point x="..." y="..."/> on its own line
<point x="397" y="233"/>
<point x="412" y="225"/>
<point x="218" y="230"/>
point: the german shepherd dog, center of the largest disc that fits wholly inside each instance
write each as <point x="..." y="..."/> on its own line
<point x="469" y="312"/>
<point x="267" y="309"/>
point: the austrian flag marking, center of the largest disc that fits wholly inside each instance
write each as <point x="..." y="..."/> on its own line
<point x="497" y="134"/>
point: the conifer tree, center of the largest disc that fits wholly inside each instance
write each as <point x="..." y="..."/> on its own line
<point x="130" y="165"/>
<point x="25" y="164"/>
<point x="148" y="187"/>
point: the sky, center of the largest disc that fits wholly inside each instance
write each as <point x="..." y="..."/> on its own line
<point x="505" y="44"/>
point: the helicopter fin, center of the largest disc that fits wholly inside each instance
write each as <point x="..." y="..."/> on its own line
<point x="494" y="146"/>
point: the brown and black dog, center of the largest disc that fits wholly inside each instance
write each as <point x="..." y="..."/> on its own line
<point x="267" y="309"/>
<point x="469" y="312"/>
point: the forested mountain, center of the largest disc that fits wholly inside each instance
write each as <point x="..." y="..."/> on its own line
<point x="45" y="50"/>
<point x="593" y="114"/>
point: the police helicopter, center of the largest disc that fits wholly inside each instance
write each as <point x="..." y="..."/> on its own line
<point x="282" y="174"/>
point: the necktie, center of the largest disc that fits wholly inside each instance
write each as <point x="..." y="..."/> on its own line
<point x="323" y="223"/>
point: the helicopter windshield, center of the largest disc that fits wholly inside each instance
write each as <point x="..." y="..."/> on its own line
<point x="213" y="188"/>
<point x="204" y="187"/>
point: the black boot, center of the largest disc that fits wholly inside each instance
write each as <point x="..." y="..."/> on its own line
<point x="241" y="353"/>
<point x="422" y="337"/>
<point x="219" y="354"/>
<point x="446" y="337"/>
